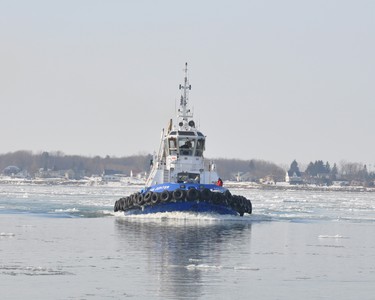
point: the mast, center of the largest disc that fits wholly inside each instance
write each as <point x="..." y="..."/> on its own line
<point x="183" y="112"/>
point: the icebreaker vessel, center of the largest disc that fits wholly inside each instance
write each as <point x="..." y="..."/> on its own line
<point x="180" y="179"/>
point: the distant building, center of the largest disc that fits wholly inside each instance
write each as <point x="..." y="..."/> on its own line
<point x="111" y="175"/>
<point x="245" y="177"/>
<point x="293" y="178"/>
<point x="293" y="175"/>
<point x="340" y="183"/>
<point x="268" y="180"/>
<point x="59" y="174"/>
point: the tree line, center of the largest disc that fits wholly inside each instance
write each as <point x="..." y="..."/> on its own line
<point x="33" y="162"/>
<point x="228" y="169"/>
<point x="26" y="160"/>
<point x="249" y="170"/>
<point x="322" y="173"/>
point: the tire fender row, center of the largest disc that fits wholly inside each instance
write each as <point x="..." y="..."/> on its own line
<point x="137" y="200"/>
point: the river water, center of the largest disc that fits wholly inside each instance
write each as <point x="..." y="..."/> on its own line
<point x="64" y="242"/>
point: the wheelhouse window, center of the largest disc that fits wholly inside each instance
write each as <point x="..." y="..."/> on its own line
<point x="189" y="133"/>
<point x="185" y="177"/>
<point x="200" y="147"/>
<point x="186" y="146"/>
<point x="172" y="146"/>
<point x="185" y="143"/>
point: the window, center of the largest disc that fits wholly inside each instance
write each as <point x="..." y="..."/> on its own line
<point x="200" y="147"/>
<point x="185" y="177"/>
<point x="186" y="146"/>
<point x="189" y="133"/>
<point x="172" y="145"/>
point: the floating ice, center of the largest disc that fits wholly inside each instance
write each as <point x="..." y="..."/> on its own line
<point x="337" y="236"/>
<point x="202" y="267"/>
<point x="6" y="234"/>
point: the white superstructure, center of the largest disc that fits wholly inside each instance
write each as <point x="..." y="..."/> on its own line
<point x="180" y="157"/>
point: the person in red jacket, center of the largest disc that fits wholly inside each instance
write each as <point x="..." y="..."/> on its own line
<point x="219" y="182"/>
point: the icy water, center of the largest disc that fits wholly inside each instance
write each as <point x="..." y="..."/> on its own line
<point x="64" y="242"/>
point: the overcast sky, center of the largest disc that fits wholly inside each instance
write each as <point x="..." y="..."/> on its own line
<point x="273" y="80"/>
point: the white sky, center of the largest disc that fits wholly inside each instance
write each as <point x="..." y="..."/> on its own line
<point x="273" y="80"/>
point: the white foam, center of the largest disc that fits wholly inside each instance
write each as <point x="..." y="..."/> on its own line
<point x="177" y="215"/>
<point x="185" y="217"/>
<point x="67" y="210"/>
<point x="109" y="212"/>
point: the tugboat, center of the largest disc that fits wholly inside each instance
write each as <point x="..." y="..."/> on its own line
<point x="180" y="179"/>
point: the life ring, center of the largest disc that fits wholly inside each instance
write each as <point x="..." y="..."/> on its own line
<point x="178" y="194"/>
<point x="206" y="194"/>
<point x="192" y="194"/>
<point x="165" y="196"/>
<point x="147" y="197"/>
<point x="154" y="198"/>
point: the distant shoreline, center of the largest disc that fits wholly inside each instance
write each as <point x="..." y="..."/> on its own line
<point x="297" y="187"/>
<point x="228" y="184"/>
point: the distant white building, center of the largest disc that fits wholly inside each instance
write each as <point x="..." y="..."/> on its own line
<point x="293" y="178"/>
<point x="293" y="175"/>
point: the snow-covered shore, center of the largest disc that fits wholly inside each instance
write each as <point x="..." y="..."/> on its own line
<point x="286" y="186"/>
<point x="229" y="184"/>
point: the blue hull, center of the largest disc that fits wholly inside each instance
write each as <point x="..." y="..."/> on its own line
<point x="184" y="197"/>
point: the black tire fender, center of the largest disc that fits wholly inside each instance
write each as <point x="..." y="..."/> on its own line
<point x="140" y="199"/>
<point x="147" y="197"/>
<point x="206" y="194"/>
<point x="165" y="196"/>
<point x="155" y="198"/>
<point x="192" y="194"/>
<point x="216" y="198"/>
<point x="178" y="194"/>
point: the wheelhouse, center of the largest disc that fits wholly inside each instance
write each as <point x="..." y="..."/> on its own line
<point x="185" y="143"/>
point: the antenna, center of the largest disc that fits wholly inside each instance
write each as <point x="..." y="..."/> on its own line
<point x="184" y="112"/>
